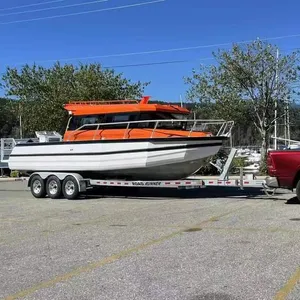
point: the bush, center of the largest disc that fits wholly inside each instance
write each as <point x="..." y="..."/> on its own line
<point x="263" y="170"/>
<point x="14" y="174"/>
<point x="239" y="162"/>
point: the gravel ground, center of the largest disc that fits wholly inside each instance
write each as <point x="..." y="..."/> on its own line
<point x="213" y="244"/>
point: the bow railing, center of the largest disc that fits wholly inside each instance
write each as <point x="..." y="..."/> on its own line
<point x="6" y="146"/>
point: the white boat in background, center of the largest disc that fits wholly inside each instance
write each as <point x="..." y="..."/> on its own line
<point x="252" y="169"/>
<point x="127" y="143"/>
<point x="254" y="157"/>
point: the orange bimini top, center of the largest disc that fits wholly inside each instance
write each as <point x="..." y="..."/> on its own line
<point x="78" y="108"/>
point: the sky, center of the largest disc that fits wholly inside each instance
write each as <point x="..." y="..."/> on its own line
<point x="130" y="35"/>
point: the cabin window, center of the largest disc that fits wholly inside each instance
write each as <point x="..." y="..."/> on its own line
<point x="121" y="118"/>
<point x="144" y="117"/>
<point x="78" y="121"/>
<point x="178" y="116"/>
<point x="89" y="120"/>
<point x="161" y="116"/>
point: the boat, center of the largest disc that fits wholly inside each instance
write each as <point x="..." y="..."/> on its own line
<point x="125" y="139"/>
<point x="252" y="169"/>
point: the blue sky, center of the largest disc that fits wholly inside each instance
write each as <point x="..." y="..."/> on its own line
<point x="163" y="25"/>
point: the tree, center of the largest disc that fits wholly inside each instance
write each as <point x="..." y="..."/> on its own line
<point x="8" y="118"/>
<point x="249" y="75"/>
<point x="43" y="91"/>
<point x="295" y="122"/>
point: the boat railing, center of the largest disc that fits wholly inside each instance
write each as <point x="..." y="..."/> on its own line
<point x="7" y="145"/>
<point x="225" y="127"/>
<point x="104" y="102"/>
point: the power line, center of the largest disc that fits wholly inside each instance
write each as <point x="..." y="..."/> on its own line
<point x="30" y="5"/>
<point x="147" y="64"/>
<point x="52" y="8"/>
<point x="151" y="63"/>
<point x="84" y="12"/>
<point x="157" y="63"/>
<point x="161" y="51"/>
<point x="293" y="85"/>
<point x="160" y="63"/>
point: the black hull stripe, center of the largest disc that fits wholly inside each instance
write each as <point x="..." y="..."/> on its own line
<point x="155" y="140"/>
<point x="122" y="151"/>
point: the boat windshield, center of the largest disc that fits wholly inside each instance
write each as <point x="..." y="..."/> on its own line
<point x="78" y="121"/>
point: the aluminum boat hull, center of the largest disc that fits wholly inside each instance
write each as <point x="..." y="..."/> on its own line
<point x="149" y="159"/>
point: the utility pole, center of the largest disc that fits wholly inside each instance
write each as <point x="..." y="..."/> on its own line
<point x="287" y="132"/>
<point x="276" y="101"/>
<point x="285" y="122"/>
<point x="288" y="121"/>
<point x="20" y="120"/>
<point x="21" y="133"/>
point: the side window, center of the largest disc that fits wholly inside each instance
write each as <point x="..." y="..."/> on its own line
<point x="147" y="116"/>
<point x="116" y="118"/>
<point x="72" y="123"/>
<point x="78" y="121"/>
<point x="121" y="118"/>
<point x="89" y="120"/>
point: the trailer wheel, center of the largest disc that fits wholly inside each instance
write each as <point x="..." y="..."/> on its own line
<point x="53" y="187"/>
<point x="70" y="188"/>
<point x="37" y="187"/>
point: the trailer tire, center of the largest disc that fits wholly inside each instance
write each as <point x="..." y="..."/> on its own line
<point x="53" y="187"/>
<point x="70" y="188"/>
<point x="298" y="190"/>
<point x="37" y="186"/>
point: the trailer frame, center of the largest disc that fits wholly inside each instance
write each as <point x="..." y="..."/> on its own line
<point x="71" y="185"/>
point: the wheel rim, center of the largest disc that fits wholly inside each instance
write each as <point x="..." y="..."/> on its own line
<point x="53" y="187"/>
<point x="69" y="188"/>
<point x="37" y="186"/>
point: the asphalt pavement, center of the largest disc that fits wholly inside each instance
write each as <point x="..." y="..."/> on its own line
<point x="212" y="244"/>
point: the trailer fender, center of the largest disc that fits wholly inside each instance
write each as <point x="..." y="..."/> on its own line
<point x="82" y="184"/>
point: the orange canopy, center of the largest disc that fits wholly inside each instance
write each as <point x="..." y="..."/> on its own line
<point x="120" y="106"/>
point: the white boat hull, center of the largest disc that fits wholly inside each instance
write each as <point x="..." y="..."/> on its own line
<point x="163" y="159"/>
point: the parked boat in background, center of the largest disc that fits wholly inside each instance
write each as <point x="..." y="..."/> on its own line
<point x="252" y="169"/>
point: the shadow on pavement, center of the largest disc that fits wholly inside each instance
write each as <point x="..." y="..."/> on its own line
<point x="293" y="200"/>
<point x="161" y="193"/>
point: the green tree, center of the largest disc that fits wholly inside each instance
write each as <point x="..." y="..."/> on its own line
<point x="250" y="76"/>
<point x="8" y="118"/>
<point x="43" y="91"/>
<point x="294" y="113"/>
